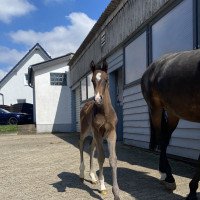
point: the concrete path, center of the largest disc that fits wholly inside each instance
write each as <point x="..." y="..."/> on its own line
<point x="46" y="167"/>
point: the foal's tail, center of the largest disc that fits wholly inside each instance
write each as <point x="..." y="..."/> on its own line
<point x="155" y="138"/>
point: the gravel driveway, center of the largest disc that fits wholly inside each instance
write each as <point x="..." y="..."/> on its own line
<point x="46" y="167"/>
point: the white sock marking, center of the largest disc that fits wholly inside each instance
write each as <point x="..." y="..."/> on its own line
<point x="93" y="177"/>
<point x="162" y="176"/>
<point x="103" y="187"/>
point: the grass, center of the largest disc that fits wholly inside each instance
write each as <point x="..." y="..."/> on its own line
<point x="8" y="128"/>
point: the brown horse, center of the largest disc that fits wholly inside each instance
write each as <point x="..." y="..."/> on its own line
<point x="171" y="88"/>
<point x="98" y="116"/>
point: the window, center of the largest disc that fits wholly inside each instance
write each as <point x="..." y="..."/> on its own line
<point x="21" y="100"/>
<point x="87" y="89"/>
<point x="83" y="90"/>
<point x="58" y="79"/>
<point x="174" y="31"/>
<point x="135" y="59"/>
<point x="25" y="79"/>
<point x="90" y="87"/>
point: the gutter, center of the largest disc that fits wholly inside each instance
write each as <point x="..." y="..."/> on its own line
<point x="30" y="72"/>
<point x="2" y="98"/>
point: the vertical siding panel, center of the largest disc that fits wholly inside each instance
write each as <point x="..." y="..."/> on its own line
<point x="115" y="61"/>
<point x="186" y="138"/>
<point x="136" y="118"/>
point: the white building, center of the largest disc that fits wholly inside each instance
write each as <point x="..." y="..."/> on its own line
<point x="52" y="95"/>
<point x="14" y="86"/>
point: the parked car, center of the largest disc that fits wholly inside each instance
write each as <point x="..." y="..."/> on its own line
<point x="7" y="117"/>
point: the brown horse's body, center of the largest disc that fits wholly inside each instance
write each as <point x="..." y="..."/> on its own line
<point x="98" y="116"/>
<point x="171" y="88"/>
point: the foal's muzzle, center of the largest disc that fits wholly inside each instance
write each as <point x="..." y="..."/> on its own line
<point x="98" y="99"/>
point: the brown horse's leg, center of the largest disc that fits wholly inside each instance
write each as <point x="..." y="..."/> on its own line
<point x="155" y="117"/>
<point x="194" y="183"/>
<point x="168" y="125"/>
<point x="101" y="159"/>
<point x="92" y="173"/>
<point x="113" y="162"/>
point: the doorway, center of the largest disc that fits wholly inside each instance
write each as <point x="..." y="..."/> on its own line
<point x="116" y="93"/>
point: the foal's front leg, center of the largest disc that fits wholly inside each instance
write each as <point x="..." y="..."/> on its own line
<point x="101" y="159"/>
<point x="113" y="163"/>
<point x="92" y="173"/>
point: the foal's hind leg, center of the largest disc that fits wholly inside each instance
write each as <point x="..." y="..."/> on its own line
<point x="92" y="173"/>
<point x="168" y="125"/>
<point x="194" y="183"/>
<point x="113" y="162"/>
<point x="83" y="135"/>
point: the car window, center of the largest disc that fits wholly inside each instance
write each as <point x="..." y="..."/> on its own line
<point x="3" y="111"/>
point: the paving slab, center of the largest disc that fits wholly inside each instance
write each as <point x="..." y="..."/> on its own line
<point x="46" y="167"/>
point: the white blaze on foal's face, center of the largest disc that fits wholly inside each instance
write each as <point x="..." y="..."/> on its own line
<point x="97" y="96"/>
<point x="98" y="76"/>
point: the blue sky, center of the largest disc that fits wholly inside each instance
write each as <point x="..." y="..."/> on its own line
<point x="58" y="25"/>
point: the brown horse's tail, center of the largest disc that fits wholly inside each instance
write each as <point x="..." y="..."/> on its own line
<point x="155" y="139"/>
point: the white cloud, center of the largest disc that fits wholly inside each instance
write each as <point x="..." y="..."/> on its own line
<point x="9" y="58"/>
<point x="61" y="39"/>
<point x="2" y="73"/>
<point x="14" y="8"/>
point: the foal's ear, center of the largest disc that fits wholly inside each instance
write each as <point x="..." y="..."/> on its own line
<point x="92" y="66"/>
<point x="104" y="66"/>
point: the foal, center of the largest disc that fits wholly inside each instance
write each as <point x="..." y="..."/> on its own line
<point x="98" y="116"/>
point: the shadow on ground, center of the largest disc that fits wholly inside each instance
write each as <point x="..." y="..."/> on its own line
<point x="72" y="180"/>
<point x="138" y="184"/>
<point x="133" y="182"/>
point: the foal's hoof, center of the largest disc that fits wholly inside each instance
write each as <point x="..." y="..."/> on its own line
<point x="191" y="197"/>
<point x="169" y="186"/>
<point x="82" y="180"/>
<point x="103" y="192"/>
<point x="94" y="182"/>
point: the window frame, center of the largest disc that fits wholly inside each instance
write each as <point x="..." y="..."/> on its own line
<point x="163" y="14"/>
<point x="148" y="28"/>
<point x="137" y="35"/>
<point x="87" y="98"/>
<point x="88" y="86"/>
<point x="84" y="78"/>
<point x="65" y="76"/>
<point x="26" y="80"/>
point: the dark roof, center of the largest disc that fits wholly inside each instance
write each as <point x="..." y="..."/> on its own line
<point x="15" y="67"/>
<point x="110" y="8"/>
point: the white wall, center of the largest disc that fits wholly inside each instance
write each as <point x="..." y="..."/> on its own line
<point x="52" y="103"/>
<point x="15" y="88"/>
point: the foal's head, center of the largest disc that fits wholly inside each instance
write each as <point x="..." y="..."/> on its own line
<point x="100" y="81"/>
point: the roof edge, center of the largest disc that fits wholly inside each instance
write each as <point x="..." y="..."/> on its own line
<point x="23" y="59"/>
<point x="110" y="8"/>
